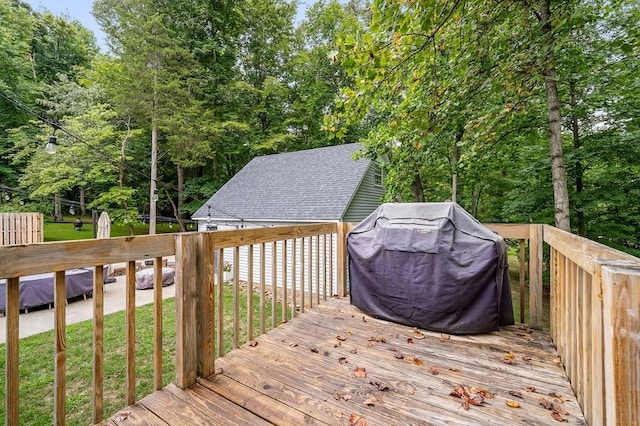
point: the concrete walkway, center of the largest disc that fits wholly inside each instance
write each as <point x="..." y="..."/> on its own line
<point x="41" y="320"/>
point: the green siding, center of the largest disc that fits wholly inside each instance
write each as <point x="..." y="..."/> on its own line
<point x="366" y="199"/>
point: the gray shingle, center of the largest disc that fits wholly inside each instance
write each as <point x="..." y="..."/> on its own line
<point x="315" y="184"/>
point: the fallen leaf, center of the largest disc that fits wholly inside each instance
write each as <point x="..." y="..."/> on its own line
<point x="342" y="360"/>
<point x="341" y="338"/>
<point x="218" y="371"/>
<point x="370" y="401"/>
<point x="339" y="414"/>
<point x="557" y="417"/>
<point x="381" y="386"/>
<point x="546" y="404"/>
<point x="355" y="420"/>
<point x="455" y="370"/>
<point x="513" y="404"/>
<point x="399" y="355"/>
<point x="122" y="415"/>
<point x="482" y="391"/>
<point x="444" y="337"/>
<point x="418" y="334"/>
<point x="293" y="345"/>
<point x="517" y="394"/>
<point x="342" y="396"/>
<point x="392" y="349"/>
<point x="337" y="344"/>
<point x="509" y="355"/>
<point x="381" y="339"/>
<point x="409" y="340"/>
<point x="360" y="372"/>
<point x="530" y="388"/>
<point x="314" y="350"/>
<point x="412" y="392"/>
<point x="253" y="343"/>
<point x="433" y="371"/>
<point x="354" y="351"/>
<point x="364" y="319"/>
<point x="506" y="361"/>
<point x="526" y="358"/>
<point x="557" y="361"/>
<point x="558" y="409"/>
<point x="418" y="361"/>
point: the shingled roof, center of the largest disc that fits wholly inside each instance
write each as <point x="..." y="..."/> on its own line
<point x="315" y="184"/>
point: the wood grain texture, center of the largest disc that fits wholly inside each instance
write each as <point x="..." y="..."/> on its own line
<point x="12" y="372"/>
<point x="186" y="309"/>
<point x="46" y="257"/>
<point x="98" y="345"/>
<point x="60" y="332"/>
<point x="157" y="323"/>
<point x="130" y="330"/>
<point x="536" y="319"/>
<point x="303" y="373"/>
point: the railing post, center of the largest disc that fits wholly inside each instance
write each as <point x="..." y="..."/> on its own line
<point x="186" y="309"/>
<point x="535" y="276"/>
<point x="621" y="299"/>
<point x="12" y="375"/>
<point x="206" y="295"/>
<point x="341" y="251"/>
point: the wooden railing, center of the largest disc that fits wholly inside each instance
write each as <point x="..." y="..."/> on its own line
<point x="595" y="324"/>
<point x="595" y="300"/>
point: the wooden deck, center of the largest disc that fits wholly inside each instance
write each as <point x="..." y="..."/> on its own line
<point x="335" y="365"/>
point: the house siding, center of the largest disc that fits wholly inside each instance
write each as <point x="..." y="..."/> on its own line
<point x="366" y="199"/>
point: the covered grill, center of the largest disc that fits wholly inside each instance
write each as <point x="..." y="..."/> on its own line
<point x="430" y="265"/>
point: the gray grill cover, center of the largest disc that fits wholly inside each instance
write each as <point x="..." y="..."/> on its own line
<point x="432" y="266"/>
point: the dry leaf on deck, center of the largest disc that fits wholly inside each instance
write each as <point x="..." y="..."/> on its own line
<point x="314" y="350"/>
<point x="354" y="351"/>
<point x="399" y="355"/>
<point x="546" y="404"/>
<point x="364" y="319"/>
<point x="526" y="358"/>
<point x="344" y="396"/>
<point x="509" y="355"/>
<point x="342" y="360"/>
<point x="360" y="372"/>
<point x="218" y="371"/>
<point x="506" y="361"/>
<point x="253" y="343"/>
<point x="455" y="370"/>
<point x="293" y="345"/>
<point x="381" y="386"/>
<point x="370" y="401"/>
<point x="558" y="409"/>
<point x="513" y="404"/>
<point x="517" y="394"/>
<point x="418" y="334"/>
<point x="530" y="388"/>
<point x="122" y="416"/>
<point x="444" y="337"/>
<point x="341" y="338"/>
<point x="418" y="361"/>
<point x="557" y="417"/>
<point x="434" y="371"/>
<point x="409" y="340"/>
<point x="355" y="420"/>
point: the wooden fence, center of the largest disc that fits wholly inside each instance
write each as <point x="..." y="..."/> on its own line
<point x="21" y="228"/>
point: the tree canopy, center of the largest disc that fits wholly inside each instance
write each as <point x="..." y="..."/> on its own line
<point x="524" y="110"/>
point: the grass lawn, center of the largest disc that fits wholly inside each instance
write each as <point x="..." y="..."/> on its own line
<point x="63" y="231"/>
<point x="37" y="362"/>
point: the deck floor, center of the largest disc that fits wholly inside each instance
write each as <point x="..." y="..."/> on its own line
<point x="335" y="365"/>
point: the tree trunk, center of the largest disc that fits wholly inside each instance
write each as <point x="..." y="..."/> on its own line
<point x="558" y="172"/>
<point x="83" y="206"/>
<point x="454" y="166"/>
<point x="153" y="195"/>
<point x="57" y="207"/>
<point x="418" y="191"/>
<point x="180" y="173"/>
<point x="579" y="172"/>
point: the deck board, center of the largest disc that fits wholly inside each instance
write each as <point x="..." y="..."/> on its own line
<point x="302" y="373"/>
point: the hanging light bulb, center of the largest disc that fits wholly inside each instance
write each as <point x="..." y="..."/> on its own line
<point x="52" y="145"/>
<point x="22" y="202"/>
<point x="72" y="211"/>
<point x="7" y="196"/>
<point x="170" y="225"/>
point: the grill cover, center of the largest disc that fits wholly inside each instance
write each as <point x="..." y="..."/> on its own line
<point x="432" y="266"/>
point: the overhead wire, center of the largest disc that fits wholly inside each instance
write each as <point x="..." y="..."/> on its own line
<point x="107" y="156"/>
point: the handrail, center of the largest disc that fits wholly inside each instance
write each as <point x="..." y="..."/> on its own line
<point x="595" y="300"/>
<point x="595" y="324"/>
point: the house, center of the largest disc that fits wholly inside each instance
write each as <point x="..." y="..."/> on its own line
<point x="311" y="186"/>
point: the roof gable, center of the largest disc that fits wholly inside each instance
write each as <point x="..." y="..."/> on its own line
<point x="315" y="184"/>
